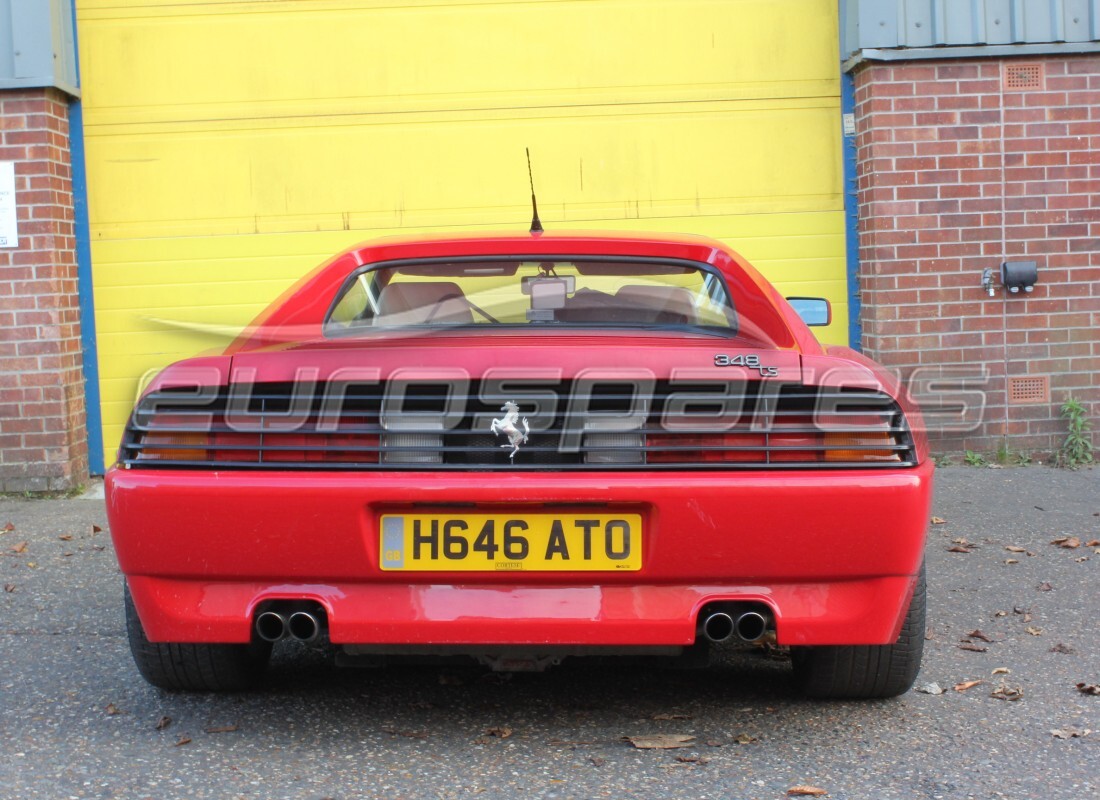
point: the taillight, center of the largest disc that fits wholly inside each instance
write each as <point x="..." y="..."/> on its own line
<point x="860" y="446"/>
<point x="165" y="440"/>
<point x="174" y="447"/>
<point x="705" y="448"/>
<point x="234" y="446"/>
<point x="613" y="448"/>
<point x="792" y="439"/>
<point x="858" y="437"/>
<point x="412" y="448"/>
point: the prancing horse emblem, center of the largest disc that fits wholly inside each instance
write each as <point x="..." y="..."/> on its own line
<point x="509" y="428"/>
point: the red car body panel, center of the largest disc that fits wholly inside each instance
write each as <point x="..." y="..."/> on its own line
<point x="833" y="554"/>
<point x="202" y="552"/>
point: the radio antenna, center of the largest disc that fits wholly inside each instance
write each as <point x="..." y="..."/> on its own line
<point x="536" y="226"/>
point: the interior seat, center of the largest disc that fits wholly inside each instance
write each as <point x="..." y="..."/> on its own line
<point x="665" y="305"/>
<point x="423" y="303"/>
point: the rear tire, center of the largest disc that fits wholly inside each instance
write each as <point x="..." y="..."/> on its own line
<point x="866" y="671"/>
<point x="194" y="667"/>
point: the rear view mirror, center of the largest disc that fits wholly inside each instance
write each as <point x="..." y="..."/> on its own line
<point x="815" y="311"/>
<point x="548" y="293"/>
<point x="528" y="282"/>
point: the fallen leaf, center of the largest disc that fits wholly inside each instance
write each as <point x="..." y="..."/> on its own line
<point x="8" y="527"/>
<point x="1081" y="559"/>
<point x="19" y="548"/>
<point x="32" y="565"/>
<point x="1089" y="688"/>
<point x="9" y="588"/>
<point x="65" y="537"/>
<point x="1034" y="630"/>
<point x="958" y="549"/>
<point x="1014" y="549"/>
<point x="1004" y="692"/>
<point x="962" y="540"/>
<point x="163" y="723"/>
<point x="1002" y="671"/>
<point x="111" y="709"/>
<point x="806" y="791"/>
<point x="938" y="521"/>
<point x="931" y="688"/>
<point x="182" y="740"/>
<point x="671" y="716"/>
<point x="712" y="743"/>
<point x="96" y="529"/>
<point x="962" y="687"/>
<point x="744" y="738"/>
<point x="597" y="761"/>
<point x="979" y="635"/>
<point x="692" y="759"/>
<point x="1063" y="648"/>
<point x="1093" y="543"/>
<point x="1069" y="542"/>
<point x="1012" y="561"/>
<point x="1024" y="612"/>
<point x="222" y="729"/>
<point x="973" y="648"/>
<point x="1044" y="586"/>
<point x="1070" y="733"/>
<point x="500" y="733"/>
<point x="662" y="741"/>
<point x="1000" y="613"/>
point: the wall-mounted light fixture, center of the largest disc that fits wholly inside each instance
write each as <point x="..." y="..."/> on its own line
<point x="1019" y="275"/>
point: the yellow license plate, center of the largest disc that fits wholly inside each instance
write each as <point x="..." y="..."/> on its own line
<point x="506" y="542"/>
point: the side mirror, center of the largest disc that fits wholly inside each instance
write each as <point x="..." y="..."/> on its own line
<point x="815" y="311"/>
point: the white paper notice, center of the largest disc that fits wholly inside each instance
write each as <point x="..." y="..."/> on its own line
<point x="9" y="233"/>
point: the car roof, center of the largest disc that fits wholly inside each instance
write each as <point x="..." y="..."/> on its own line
<point x="619" y="243"/>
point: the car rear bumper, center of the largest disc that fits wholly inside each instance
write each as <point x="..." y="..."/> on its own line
<point x="833" y="555"/>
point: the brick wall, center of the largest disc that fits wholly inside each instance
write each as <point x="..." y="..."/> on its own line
<point x="957" y="173"/>
<point x="43" y="442"/>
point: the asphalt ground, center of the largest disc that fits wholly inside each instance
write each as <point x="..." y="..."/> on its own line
<point x="76" y="720"/>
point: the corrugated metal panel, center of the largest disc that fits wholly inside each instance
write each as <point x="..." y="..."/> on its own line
<point x="36" y="45"/>
<point x="885" y="24"/>
<point x="233" y="145"/>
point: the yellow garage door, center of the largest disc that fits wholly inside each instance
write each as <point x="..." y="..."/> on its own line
<point x="232" y="145"/>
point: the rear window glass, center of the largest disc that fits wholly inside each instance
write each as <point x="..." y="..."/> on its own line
<point x="518" y="292"/>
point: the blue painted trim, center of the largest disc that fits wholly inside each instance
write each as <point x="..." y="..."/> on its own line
<point x="851" y="216"/>
<point x="84" y="289"/>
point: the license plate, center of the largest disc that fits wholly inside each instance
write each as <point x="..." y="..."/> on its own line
<point x="504" y="542"/>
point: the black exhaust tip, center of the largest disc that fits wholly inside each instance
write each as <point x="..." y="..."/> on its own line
<point x="718" y="626"/>
<point x="751" y="626"/>
<point x="270" y="627"/>
<point x="303" y="626"/>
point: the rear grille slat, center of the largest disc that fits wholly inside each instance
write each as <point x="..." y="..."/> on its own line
<point x="276" y="427"/>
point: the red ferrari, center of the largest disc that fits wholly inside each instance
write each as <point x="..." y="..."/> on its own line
<point x="520" y="448"/>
